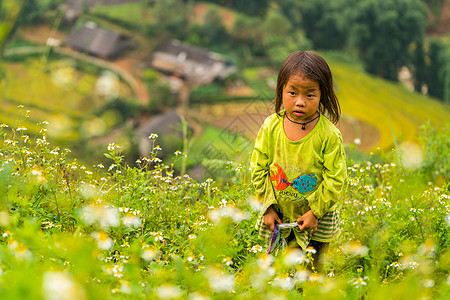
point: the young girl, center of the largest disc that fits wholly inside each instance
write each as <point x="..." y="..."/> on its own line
<point x="298" y="163"/>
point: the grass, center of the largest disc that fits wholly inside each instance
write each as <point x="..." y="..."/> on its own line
<point x="138" y="13"/>
<point x="142" y="232"/>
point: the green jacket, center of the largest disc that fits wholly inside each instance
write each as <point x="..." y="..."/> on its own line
<point x="298" y="176"/>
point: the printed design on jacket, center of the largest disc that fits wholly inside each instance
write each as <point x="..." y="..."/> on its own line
<point x="303" y="183"/>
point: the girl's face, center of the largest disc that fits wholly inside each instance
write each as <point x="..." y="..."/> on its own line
<point x="301" y="98"/>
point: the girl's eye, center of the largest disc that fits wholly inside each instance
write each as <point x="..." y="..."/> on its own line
<point x="311" y="95"/>
<point x="291" y="93"/>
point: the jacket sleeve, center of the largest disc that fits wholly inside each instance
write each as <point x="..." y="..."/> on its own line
<point x="334" y="176"/>
<point x="260" y="169"/>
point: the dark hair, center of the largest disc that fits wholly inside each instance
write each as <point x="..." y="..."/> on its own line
<point x="314" y="67"/>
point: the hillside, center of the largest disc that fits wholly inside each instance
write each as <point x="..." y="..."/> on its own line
<point x="388" y="107"/>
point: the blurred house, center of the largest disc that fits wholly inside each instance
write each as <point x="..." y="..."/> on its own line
<point x="192" y="64"/>
<point x="97" y="41"/>
<point x="74" y="8"/>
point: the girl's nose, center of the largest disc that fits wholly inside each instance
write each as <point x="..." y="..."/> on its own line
<point x="300" y="101"/>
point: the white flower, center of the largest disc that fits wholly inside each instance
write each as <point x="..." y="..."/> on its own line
<point x="285" y="282"/>
<point x="149" y="254"/>
<point x="102" y="215"/>
<point x="117" y="271"/>
<point x="5" y="218"/>
<point x="104" y="242"/>
<point x="125" y="287"/>
<point x="359" y="281"/>
<point x="311" y="250"/>
<point x="38" y="173"/>
<point x="220" y="281"/>
<point x="294" y="257"/>
<point x="20" y="250"/>
<point x="413" y="264"/>
<point x="429" y="283"/>
<point x="113" y="146"/>
<point x="396" y="265"/>
<point x="168" y="291"/>
<point x="124" y="209"/>
<point x="198" y="296"/>
<point x="223" y="203"/>
<point x="158" y="236"/>
<point x="131" y="220"/>
<point x="356" y="248"/>
<point x="235" y="214"/>
<point x="88" y="190"/>
<point x="302" y="276"/>
<point x="61" y="286"/>
<point x="255" y="249"/>
<point x="227" y="261"/>
<point x="315" y="277"/>
<point x="153" y="136"/>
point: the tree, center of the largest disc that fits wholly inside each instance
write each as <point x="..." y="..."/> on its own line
<point x="324" y="23"/>
<point x="292" y="9"/>
<point x="33" y="10"/>
<point x="383" y="30"/>
<point x="435" y="79"/>
<point x="419" y="67"/>
<point x="168" y="24"/>
<point x="213" y="27"/>
<point x="251" y="7"/>
<point x="247" y="37"/>
<point x="248" y="7"/>
<point x="279" y="38"/>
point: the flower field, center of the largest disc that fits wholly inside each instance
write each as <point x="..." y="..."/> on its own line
<point x="142" y="231"/>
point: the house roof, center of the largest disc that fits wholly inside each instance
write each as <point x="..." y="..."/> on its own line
<point x="95" y="40"/>
<point x="193" y="63"/>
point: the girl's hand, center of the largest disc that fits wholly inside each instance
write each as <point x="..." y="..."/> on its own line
<point x="308" y="222"/>
<point x="271" y="217"/>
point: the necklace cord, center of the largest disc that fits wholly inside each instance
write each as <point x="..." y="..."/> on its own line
<point x="303" y="124"/>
